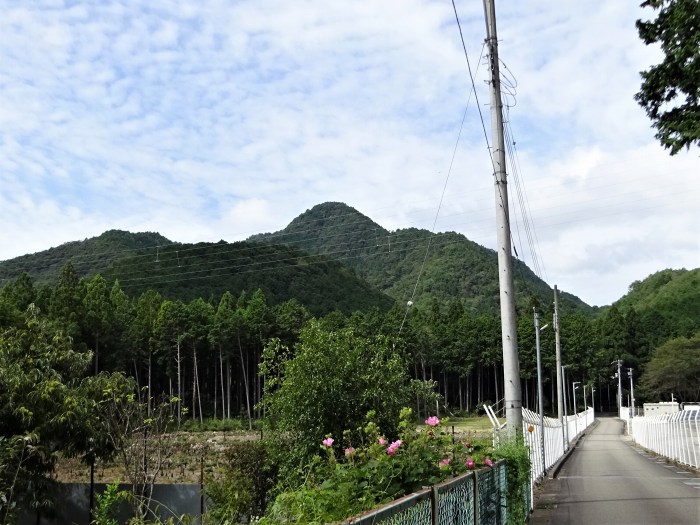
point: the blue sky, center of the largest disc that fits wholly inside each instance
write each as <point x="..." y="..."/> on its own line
<point x="215" y="120"/>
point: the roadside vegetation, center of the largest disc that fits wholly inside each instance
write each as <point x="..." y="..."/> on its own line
<point x="152" y="390"/>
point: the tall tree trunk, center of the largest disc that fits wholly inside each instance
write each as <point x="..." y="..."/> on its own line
<point x="138" y="383"/>
<point x="221" y="372"/>
<point x="194" y="386"/>
<point x="479" y="387"/>
<point x="527" y="395"/>
<point x="469" y="393"/>
<point x="149" y="381"/>
<point x="179" y="383"/>
<point x="245" y="383"/>
<point x="459" y="386"/>
<point x="216" y="406"/>
<point x="228" y="387"/>
<point x="445" y="379"/>
<point x="495" y="381"/>
<point x="196" y="376"/>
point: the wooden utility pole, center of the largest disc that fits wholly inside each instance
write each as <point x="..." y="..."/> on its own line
<point x="512" y="391"/>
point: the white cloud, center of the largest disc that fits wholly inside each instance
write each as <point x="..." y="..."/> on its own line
<point x="217" y="120"/>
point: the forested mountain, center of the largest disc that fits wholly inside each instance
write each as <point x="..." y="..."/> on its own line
<point x="88" y="257"/>
<point x="148" y="261"/>
<point x="343" y="242"/>
<point x="453" y="266"/>
<point x="672" y="297"/>
<point x="191" y="271"/>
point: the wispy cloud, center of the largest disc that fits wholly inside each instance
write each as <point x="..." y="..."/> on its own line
<point x="218" y="119"/>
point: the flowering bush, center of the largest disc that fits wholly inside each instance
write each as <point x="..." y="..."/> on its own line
<point x="432" y="421"/>
<point x="376" y="471"/>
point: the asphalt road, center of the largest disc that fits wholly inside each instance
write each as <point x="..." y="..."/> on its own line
<point x="608" y="481"/>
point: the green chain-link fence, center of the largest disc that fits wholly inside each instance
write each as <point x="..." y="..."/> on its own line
<point x="477" y="498"/>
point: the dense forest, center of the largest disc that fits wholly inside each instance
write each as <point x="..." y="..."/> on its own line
<point x="256" y="330"/>
<point x="207" y="351"/>
<point x="193" y="320"/>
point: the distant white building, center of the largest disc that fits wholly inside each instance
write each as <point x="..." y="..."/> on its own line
<point x="658" y="409"/>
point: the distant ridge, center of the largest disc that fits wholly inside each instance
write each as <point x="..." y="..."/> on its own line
<point x="148" y="261"/>
<point x="89" y="256"/>
<point x="456" y="268"/>
<point x="329" y="257"/>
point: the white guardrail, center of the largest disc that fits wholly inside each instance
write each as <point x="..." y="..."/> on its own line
<point x="675" y="436"/>
<point x="556" y="436"/>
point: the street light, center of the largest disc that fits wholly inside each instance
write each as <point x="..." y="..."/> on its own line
<point x="539" y="385"/>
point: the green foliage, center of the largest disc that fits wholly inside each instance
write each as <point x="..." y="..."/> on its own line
<point x="241" y="488"/>
<point x="455" y="267"/>
<point x="41" y="409"/>
<point x="333" y="380"/>
<point x="674" y="368"/>
<point x="345" y="481"/>
<point x="107" y="505"/>
<point x="187" y="272"/>
<point x="88" y="257"/>
<point x="668" y="301"/>
<point x="517" y="458"/>
<point x="669" y="91"/>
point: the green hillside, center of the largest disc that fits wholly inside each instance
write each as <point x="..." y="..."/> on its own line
<point x="190" y="271"/>
<point x="354" y="264"/>
<point x="143" y="261"/>
<point x="453" y="266"/>
<point x="88" y="256"/>
<point x="672" y="295"/>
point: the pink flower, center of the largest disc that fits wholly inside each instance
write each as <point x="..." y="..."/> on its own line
<point x="328" y="442"/>
<point x="470" y="463"/>
<point x="382" y="441"/>
<point x="432" y="421"/>
<point x="391" y="450"/>
<point x="349" y="451"/>
<point x="444" y="462"/>
<point x="468" y="444"/>
<point x="488" y="462"/>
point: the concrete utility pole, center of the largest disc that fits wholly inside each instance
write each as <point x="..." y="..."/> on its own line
<point x="619" y="386"/>
<point x="512" y="391"/>
<point x="557" y="343"/>
<point x="629" y="372"/>
<point x="539" y="387"/>
<point x="565" y="425"/>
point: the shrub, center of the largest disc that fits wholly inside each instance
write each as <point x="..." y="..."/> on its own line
<point x="242" y="487"/>
<point x="517" y="458"/>
<point x="333" y="380"/>
<point x="352" y="475"/>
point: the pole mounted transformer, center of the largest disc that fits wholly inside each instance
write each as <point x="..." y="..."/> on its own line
<point x="512" y="391"/>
